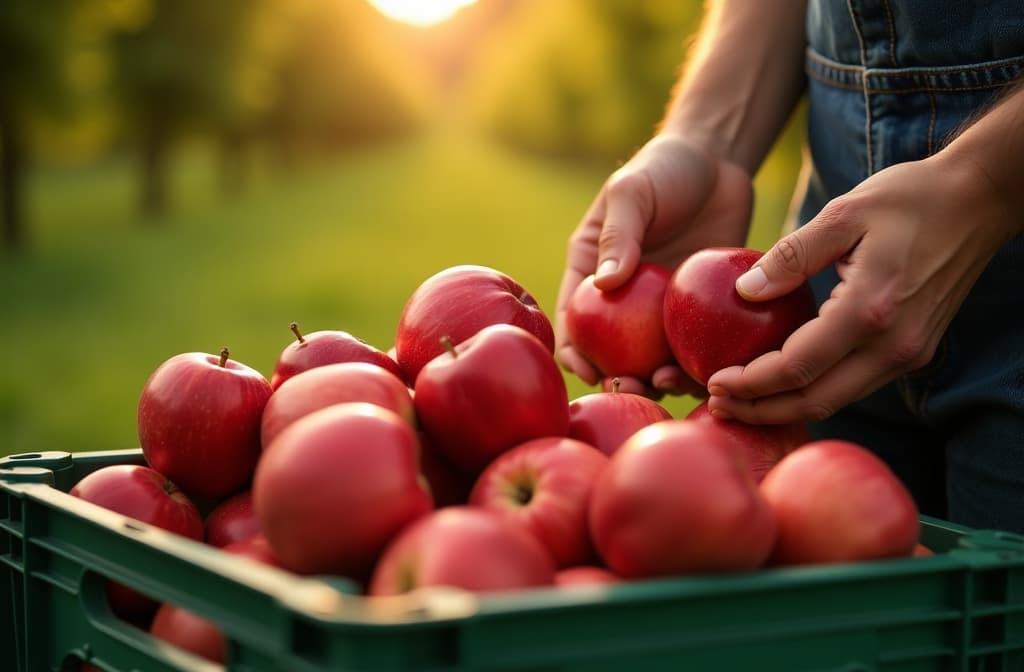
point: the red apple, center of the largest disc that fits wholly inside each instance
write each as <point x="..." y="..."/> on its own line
<point x="621" y="331"/>
<point x="336" y="485"/>
<point x="326" y="347"/>
<point x="464" y="547"/>
<point x="448" y="484"/>
<point x="585" y="575"/>
<point x="544" y="485"/>
<point x="255" y="548"/>
<point x="763" y="445"/>
<point x="232" y="520"/>
<point x="190" y="632"/>
<point x="606" y="419"/>
<point x="146" y="495"/>
<point x="458" y="302"/>
<point x="677" y="498"/>
<point x="836" y="501"/>
<point x="199" y="422"/>
<point x="497" y="389"/>
<point x="710" y="326"/>
<point x="331" y="384"/>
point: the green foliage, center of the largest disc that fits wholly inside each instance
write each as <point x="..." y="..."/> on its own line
<point x="581" y="79"/>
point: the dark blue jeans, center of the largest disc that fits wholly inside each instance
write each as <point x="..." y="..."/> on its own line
<point x="890" y="82"/>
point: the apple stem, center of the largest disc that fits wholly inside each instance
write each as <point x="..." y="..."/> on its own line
<point x="294" y="326"/>
<point x="224" y="354"/>
<point x="447" y="344"/>
<point x="615" y="384"/>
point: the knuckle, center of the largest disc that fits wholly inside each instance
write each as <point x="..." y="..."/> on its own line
<point x="790" y="254"/>
<point x="816" y="411"/>
<point x="798" y="373"/>
<point x="911" y="352"/>
<point x="878" y="314"/>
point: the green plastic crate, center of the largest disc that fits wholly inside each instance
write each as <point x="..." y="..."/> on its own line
<point x="961" y="609"/>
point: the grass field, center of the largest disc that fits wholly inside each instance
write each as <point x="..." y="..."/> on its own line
<point x="101" y="299"/>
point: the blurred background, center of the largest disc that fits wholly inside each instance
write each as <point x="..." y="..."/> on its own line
<point x="182" y="175"/>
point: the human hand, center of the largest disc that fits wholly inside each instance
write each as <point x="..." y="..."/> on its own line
<point x="908" y="244"/>
<point x="670" y="200"/>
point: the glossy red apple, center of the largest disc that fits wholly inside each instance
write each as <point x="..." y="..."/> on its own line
<point x="330" y="384"/>
<point x="464" y="547"/>
<point x="621" y="331"/>
<point x="146" y="495"/>
<point x="199" y="422"/>
<point x="232" y="520"/>
<point x="677" y="498"/>
<point x="255" y="548"/>
<point x="544" y="485"/>
<point x="497" y="389"/>
<point x="763" y="445"/>
<point x="585" y="575"/>
<point x="606" y="419"/>
<point x="836" y="501"/>
<point x="458" y="302"/>
<point x="190" y="632"/>
<point x="710" y="327"/>
<point x="330" y="346"/>
<point x="449" y="485"/>
<point x="336" y="485"/>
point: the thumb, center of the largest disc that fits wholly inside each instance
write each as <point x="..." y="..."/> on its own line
<point x="796" y="257"/>
<point x="629" y="202"/>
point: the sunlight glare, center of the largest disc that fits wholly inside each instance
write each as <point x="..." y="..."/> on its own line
<point x="420" y="12"/>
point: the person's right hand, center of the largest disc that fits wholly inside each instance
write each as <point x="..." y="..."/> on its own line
<point x="670" y="200"/>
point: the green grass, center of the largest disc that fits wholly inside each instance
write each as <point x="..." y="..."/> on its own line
<point x="101" y="299"/>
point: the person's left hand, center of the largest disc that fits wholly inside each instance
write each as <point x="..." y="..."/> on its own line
<point x="908" y="244"/>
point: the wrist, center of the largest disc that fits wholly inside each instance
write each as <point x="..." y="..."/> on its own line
<point x="986" y="200"/>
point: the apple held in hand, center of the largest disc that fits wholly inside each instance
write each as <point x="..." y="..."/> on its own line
<point x="146" y="495"/>
<point x="465" y="547"/>
<point x="606" y="419"/>
<point x="199" y="422"/>
<point x="621" y="331"/>
<point x="677" y="498"/>
<point x="544" y="486"/>
<point x="336" y="485"/>
<point x="710" y="326"/>
<point x="497" y="389"/>
<point x="763" y="445"/>
<point x="836" y="501"/>
<point x="458" y="302"/>
<point x="326" y="347"/>
<point x="330" y="384"/>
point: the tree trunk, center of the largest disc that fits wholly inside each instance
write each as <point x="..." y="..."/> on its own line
<point x="11" y="169"/>
<point x="154" y="150"/>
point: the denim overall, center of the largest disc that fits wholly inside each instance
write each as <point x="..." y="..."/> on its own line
<point x="889" y="81"/>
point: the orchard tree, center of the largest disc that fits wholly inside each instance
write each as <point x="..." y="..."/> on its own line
<point x="36" y="39"/>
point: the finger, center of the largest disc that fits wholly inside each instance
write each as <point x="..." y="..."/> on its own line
<point x="671" y="379"/>
<point x="629" y="199"/>
<point x="854" y="378"/>
<point x="575" y="363"/>
<point x="811" y="350"/>
<point x="790" y="261"/>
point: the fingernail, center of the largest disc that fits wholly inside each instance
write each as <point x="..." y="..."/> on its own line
<point x="717" y="391"/>
<point x="607" y="267"/>
<point x="752" y="282"/>
<point x="721" y="414"/>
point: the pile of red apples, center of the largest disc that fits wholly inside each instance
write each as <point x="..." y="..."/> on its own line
<point x="456" y="458"/>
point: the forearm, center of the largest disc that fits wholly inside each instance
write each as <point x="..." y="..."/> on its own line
<point x="990" y="153"/>
<point x="742" y="80"/>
